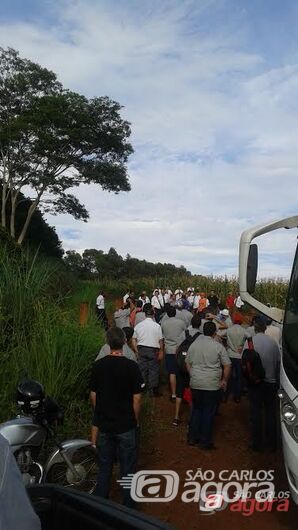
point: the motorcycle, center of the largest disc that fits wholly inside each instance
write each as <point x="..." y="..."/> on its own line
<point x="72" y="463"/>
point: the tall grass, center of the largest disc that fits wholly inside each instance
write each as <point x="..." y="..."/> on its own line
<point x="40" y="335"/>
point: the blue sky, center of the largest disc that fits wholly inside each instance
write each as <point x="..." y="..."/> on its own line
<point x="210" y="88"/>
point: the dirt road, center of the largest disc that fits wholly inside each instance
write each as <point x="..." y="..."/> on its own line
<point x="169" y="451"/>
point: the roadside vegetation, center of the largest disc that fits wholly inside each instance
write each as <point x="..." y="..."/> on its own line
<point x="40" y="335"/>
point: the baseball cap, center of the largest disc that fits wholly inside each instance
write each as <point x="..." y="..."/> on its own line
<point x="225" y="312"/>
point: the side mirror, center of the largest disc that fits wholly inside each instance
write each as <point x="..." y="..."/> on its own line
<point x="252" y="268"/>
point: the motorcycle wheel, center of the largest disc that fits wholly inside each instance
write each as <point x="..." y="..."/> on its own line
<point x="84" y="460"/>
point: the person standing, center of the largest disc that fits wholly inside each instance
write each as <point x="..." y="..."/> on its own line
<point x="122" y="315"/>
<point x="116" y="385"/>
<point x="158" y="303"/>
<point x="196" y="300"/>
<point x="148" y="342"/>
<point x="209" y="367"/>
<point x="230" y="301"/>
<point x="182" y="377"/>
<point x="144" y="298"/>
<point x="235" y="340"/>
<point x="273" y="331"/>
<point x="263" y="395"/>
<point x="213" y="300"/>
<point x="172" y="328"/>
<point x="100" y="310"/>
<point x="203" y="303"/>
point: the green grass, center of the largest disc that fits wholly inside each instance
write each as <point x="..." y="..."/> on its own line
<point x="40" y="336"/>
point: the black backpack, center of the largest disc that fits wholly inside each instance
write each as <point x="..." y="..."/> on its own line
<point x="252" y="366"/>
<point x="183" y="349"/>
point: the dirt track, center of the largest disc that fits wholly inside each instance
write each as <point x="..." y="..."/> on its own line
<point x="169" y="451"/>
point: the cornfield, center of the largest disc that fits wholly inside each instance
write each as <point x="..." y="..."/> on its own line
<point x="268" y="291"/>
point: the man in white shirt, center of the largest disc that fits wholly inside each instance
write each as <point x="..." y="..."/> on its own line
<point x="190" y="298"/>
<point x="100" y="310"/>
<point x="158" y="303"/>
<point x="128" y="295"/>
<point x="196" y="300"/>
<point x="144" y="298"/>
<point x="148" y="342"/>
<point x="168" y="295"/>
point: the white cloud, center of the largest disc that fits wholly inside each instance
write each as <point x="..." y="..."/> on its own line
<point x="214" y="129"/>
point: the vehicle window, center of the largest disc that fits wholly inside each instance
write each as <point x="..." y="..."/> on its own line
<point x="290" y="331"/>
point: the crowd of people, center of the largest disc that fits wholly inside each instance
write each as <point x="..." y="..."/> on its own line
<point x="210" y="354"/>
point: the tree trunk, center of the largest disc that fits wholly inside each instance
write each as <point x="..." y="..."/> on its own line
<point x="3" y="205"/>
<point x="14" y="197"/>
<point x="27" y="222"/>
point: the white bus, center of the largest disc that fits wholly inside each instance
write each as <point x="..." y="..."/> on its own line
<point x="288" y="393"/>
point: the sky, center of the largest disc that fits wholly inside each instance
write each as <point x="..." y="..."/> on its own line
<point x="210" y="89"/>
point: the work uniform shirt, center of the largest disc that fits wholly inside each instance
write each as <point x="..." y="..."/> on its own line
<point x="235" y="340"/>
<point x="171" y="330"/>
<point x="148" y="333"/>
<point x="206" y="358"/>
<point x="140" y="316"/>
<point x="269" y="352"/>
<point x="121" y="318"/>
<point x="275" y="333"/>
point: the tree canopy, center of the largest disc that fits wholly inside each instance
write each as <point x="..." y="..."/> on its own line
<point x="52" y="140"/>
<point x="99" y="264"/>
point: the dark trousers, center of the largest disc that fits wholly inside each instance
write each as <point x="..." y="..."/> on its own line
<point x="204" y="406"/>
<point x="149" y="366"/>
<point x="125" y="446"/>
<point x="158" y="314"/>
<point x="263" y="398"/>
<point x="235" y="382"/>
<point x="101" y="315"/>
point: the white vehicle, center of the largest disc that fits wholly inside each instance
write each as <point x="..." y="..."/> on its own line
<point x="288" y="393"/>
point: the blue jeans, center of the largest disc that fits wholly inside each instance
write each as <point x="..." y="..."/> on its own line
<point x="125" y="446"/>
<point x="204" y="406"/>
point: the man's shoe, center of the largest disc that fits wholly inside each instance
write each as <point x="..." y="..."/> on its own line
<point x="176" y="422"/>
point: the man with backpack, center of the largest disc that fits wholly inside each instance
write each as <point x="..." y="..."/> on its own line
<point x="182" y="377"/>
<point x="260" y="365"/>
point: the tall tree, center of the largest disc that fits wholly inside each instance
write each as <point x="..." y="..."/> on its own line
<point x="52" y="140"/>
